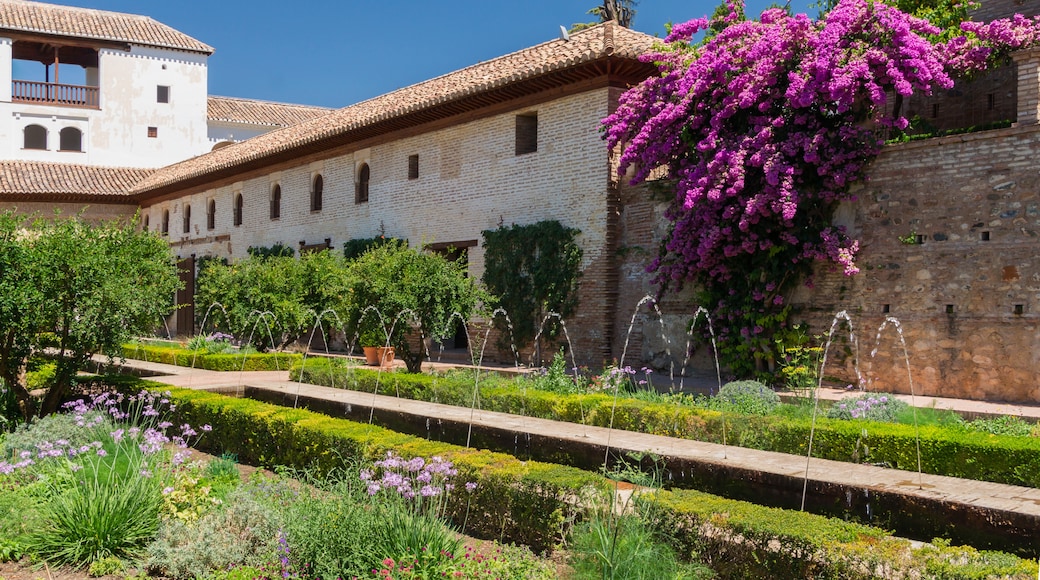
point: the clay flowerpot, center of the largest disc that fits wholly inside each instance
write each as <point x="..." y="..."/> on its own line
<point x="379" y="356"/>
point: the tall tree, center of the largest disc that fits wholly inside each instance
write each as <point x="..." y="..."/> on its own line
<point x="621" y="11"/>
<point x="79" y="290"/>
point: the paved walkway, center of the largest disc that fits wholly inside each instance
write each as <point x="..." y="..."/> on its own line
<point x="996" y="502"/>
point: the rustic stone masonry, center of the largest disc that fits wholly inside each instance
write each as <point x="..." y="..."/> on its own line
<point x="950" y="249"/>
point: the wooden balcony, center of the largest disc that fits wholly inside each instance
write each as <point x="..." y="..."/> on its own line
<point x="54" y="94"/>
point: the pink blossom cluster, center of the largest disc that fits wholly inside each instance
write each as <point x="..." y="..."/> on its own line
<point x="986" y="42"/>
<point x="412" y="477"/>
<point x="101" y="411"/>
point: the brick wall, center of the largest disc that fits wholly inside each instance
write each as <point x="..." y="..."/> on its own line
<point x="470" y="179"/>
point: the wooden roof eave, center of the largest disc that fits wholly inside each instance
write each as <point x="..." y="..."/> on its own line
<point x="609" y="70"/>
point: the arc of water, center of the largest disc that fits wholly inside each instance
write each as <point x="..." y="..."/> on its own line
<point x="480" y="361"/>
<point x="202" y="329"/>
<point x="260" y="316"/>
<point x="842" y="315"/>
<point x="303" y="363"/>
<point x="910" y="378"/>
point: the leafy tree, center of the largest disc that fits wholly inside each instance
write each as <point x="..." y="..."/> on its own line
<point x="762" y="129"/>
<point x="79" y="290"/>
<point x="533" y="270"/>
<point x="621" y="11"/>
<point x="295" y="291"/>
<point x="399" y="296"/>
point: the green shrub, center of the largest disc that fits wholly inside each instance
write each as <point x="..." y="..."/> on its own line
<point x="40" y="374"/>
<point x="625" y="548"/>
<point x="238" y="361"/>
<point x="331" y="530"/>
<point x="748" y="397"/>
<point x="92" y="520"/>
<point x="1003" y="425"/>
<point x="106" y="566"/>
<point x="244" y="532"/>
<point x="554" y="379"/>
<point x="880" y="407"/>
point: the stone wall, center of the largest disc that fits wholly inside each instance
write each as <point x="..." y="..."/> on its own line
<point x="949" y="235"/>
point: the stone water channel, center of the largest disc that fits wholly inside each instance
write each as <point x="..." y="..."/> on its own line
<point x="982" y="514"/>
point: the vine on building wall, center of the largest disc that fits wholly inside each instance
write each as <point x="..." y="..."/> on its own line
<point x="533" y="270"/>
<point x="763" y="127"/>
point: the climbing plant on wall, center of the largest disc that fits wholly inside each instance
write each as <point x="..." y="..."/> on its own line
<point x="762" y="128"/>
<point x="533" y="270"/>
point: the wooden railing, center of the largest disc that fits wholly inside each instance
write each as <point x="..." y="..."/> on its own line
<point x="54" y="94"/>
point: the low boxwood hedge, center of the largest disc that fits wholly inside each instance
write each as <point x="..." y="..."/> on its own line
<point x="531" y="502"/>
<point x="944" y="451"/>
<point x="184" y="357"/>
<point x="743" y="540"/>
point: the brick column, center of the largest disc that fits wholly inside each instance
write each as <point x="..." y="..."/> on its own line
<point x="1027" y="64"/>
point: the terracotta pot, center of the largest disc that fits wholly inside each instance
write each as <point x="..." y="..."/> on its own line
<point x="379" y="356"/>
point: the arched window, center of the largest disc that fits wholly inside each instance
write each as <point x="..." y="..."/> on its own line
<point x="35" y="137"/>
<point x="187" y="219"/>
<point x="144" y="224"/>
<point x="238" y="209"/>
<point x="70" y="139"/>
<point x="316" y="191"/>
<point x="276" y="202"/>
<point x="361" y="191"/>
<point x="165" y="222"/>
<point x="211" y="214"/>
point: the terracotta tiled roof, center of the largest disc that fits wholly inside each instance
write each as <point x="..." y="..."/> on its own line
<point x="254" y="112"/>
<point x="428" y="100"/>
<point x="26" y="16"/>
<point x="51" y="181"/>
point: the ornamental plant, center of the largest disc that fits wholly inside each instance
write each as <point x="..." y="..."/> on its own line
<point x="761" y="128"/>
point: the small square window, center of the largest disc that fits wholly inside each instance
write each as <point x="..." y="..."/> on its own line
<point x="526" y="134"/>
<point x="162" y="94"/>
<point x="984" y="236"/>
<point x="153" y="132"/>
<point x="413" y="167"/>
<point x="886" y="308"/>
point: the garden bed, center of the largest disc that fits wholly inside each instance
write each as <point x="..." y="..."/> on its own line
<point x="203" y="359"/>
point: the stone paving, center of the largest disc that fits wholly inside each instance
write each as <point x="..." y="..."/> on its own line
<point x="1022" y="502"/>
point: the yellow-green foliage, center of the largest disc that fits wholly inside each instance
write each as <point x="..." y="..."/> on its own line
<point x="214" y="362"/>
<point x="944" y="451"/>
<point x="743" y="540"/>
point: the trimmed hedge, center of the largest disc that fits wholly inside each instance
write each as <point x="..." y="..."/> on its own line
<point x="742" y="540"/>
<point x="531" y="502"/>
<point x="964" y="454"/>
<point x="183" y="357"/>
<point x="525" y="502"/>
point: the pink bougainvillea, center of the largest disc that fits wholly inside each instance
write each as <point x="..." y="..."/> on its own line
<point x="762" y="128"/>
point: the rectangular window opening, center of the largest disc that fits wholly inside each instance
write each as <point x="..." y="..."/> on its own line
<point x="413" y="166"/>
<point x="886" y="308"/>
<point x="935" y="110"/>
<point x="920" y="238"/>
<point x="526" y="134"/>
<point x="153" y="132"/>
<point x="949" y="309"/>
<point x="162" y="94"/>
<point x="991" y="102"/>
<point x="984" y="236"/>
<point x="1020" y="309"/>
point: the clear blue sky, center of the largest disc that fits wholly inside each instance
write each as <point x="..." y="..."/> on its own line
<point x="338" y="52"/>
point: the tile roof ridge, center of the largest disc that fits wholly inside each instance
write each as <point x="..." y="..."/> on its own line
<point x="268" y="102"/>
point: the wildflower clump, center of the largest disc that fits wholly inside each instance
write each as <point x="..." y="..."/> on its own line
<point x="868" y="407"/>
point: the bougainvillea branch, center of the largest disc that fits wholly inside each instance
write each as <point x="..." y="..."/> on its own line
<point x="762" y="128"/>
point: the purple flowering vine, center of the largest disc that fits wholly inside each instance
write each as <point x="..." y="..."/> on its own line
<point x="761" y="129"/>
